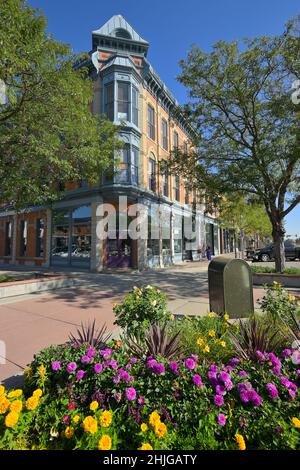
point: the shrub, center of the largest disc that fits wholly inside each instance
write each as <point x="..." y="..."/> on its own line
<point x="139" y="309"/>
<point x="159" y="404"/>
<point x="278" y="304"/>
<point x="269" y="270"/>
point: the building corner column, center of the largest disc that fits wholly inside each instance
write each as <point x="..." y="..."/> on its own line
<point x="48" y="238"/>
<point x="14" y="240"/>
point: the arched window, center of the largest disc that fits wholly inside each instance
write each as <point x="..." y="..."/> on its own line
<point x="122" y="33"/>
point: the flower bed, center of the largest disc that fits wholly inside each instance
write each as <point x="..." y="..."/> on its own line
<point x="80" y="398"/>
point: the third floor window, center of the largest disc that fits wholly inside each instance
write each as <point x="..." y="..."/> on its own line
<point x="164" y="128"/>
<point x="151" y="124"/>
<point x="176" y="140"/>
<point x="109" y="101"/>
<point x="123" y="101"/>
<point x="135" y="106"/>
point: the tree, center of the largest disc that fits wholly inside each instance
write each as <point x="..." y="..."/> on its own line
<point x="247" y="129"/>
<point x="244" y="217"/>
<point x="48" y="134"/>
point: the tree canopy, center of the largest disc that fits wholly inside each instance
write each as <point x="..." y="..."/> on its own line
<point x="247" y="125"/>
<point x="48" y="134"/>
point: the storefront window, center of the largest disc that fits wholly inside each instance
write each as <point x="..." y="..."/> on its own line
<point x="8" y="238"/>
<point x="60" y="237"/>
<point x="23" y="237"/>
<point x="81" y="235"/>
<point x="152" y="242"/>
<point x="40" y="231"/>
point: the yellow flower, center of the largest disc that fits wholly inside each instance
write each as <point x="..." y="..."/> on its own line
<point x="42" y="371"/>
<point x="291" y="298"/>
<point x="28" y="372"/>
<point x="32" y="403"/>
<point x="226" y="317"/>
<point x="206" y="349"/>
<point x="76" y="419"/>
<point x="4" y="404"/>
<point x="212" y="333"/>
<point x="211" y="314"/>
<point x="296" y="422"/>
<point x="223" y="344"/>
<point x="90" y="425"/>
<point x="69" y="431"/>
<point x="118" y="344"/>
<point x="2" y="390"/>
<point x="94" y="405"/>
<point x="298" y="303"/>
<point x="154" y="418"/>
<point x="11" y="419"/>
<point x="16" y="406"/>
<point x="15" y="393"/>
<point x="200" y="341"/>
<point x="144" y="427"/>
<point x="240" y="441"/>
<point x="104" y="442"/>
<point x="172" y="317"/>
<point x="160" y="429"/>
<point x="37" y="393"/>
<point x="105" y="419"/>
<point x="146" y="446"/>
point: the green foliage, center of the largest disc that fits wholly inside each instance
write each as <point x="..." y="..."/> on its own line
<point x="278" y="304"/>
<point x="267" y="269"/>
<point x="247" y="127"/>
<point x="48" y="133"/>
<point x="5" y="278"/>
<point x="139" y="309"/>
<point x="206" y="336"/>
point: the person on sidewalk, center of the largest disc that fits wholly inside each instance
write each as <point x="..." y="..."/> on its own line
<point x="208" y="253"/>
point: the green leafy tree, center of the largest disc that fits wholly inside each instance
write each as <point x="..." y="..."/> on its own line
<point x="48" y="134"/>
<point x="247" y="131"/>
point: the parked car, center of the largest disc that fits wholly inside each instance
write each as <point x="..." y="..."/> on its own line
<point x="292" y="252"/>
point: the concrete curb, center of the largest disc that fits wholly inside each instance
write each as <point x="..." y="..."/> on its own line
<point x="286" y="280"/>
<point x="9" y="289"/>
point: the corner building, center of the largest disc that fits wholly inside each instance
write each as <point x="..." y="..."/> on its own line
<point x="132" y="95"/>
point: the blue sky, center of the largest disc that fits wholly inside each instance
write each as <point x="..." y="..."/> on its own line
<point x="171" y="27"/>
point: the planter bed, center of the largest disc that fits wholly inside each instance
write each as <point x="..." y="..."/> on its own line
<point x="286" y="280"/>
<point x="37" y="284"/>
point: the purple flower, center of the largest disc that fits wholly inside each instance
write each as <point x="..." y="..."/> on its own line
<point x="85" y="359"/>
<point x="80" y="374"/>
<point x="274" y="360"/>
<point x="151" y="363"/>
<point x="221" y="390"/>
<point x="243" y="373"/>
<point x="228" y="384"/>
<point x="194" y="356"/>
<point x="176" y="395"/>
<point x="218" y="400"/>
<point x="55" y="365"/>
<point x="116" y="379"/>
<point x="244" y="396"/>
<point x="221" y="419"/>
<point x="190" y="364"/>
<point x="212" y="374"/>
<point x="273" y="392"/>
<point x="159" y="368"/>
<point x="130" y="393"/>
<point x="255" y="398"/>
<point x="174" y="367"/>
<point x="214" y="368"/>
<point x="292" y="393"/>
<point x="276" y="370"/>
<point x="285" y="382"/>
<point x="98" y="368"/>
<point x="141" y="401"/>
<point x="260" y="356"/>
<point x="298" y="372"/>
<point x="91" y="352"/>
<point x="224" y="376"/>
<point x="197" y="380"/>
<point x="66" y="419"/>
<point x="106" y="353"/>
<point x="118" y="396"/>
<point x="71" y="367"/>
<point x="286" y="353"/>
<point x="228" y="368"/>
<point x="133" y="360"/>
<point x="234" y="361"/>
<point x="128" y="366"/>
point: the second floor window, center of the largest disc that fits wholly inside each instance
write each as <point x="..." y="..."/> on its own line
<point x="164" y="128"/>
<point x="109" y="101"/>
<point x="135" y="106"/>
<point x="123" y="101"/>
<point x="152" y="178"/>
<point x="135" y="165"/>
<point x="166" y="183"/>
<point x="151" y="125"/>
<point x="175" y="140"/>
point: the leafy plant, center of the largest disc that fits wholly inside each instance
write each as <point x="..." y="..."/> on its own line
<point x="254" y="336"/>
<point x="278" y="304"/>
<point x="139" y="309"/>
<point x="157" y="342"/>
<point x="88" y="335"/>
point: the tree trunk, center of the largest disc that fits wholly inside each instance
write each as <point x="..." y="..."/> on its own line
<point x="278" y="233"/>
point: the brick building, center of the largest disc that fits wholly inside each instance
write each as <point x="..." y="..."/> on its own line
<point x="131" y="94"/>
